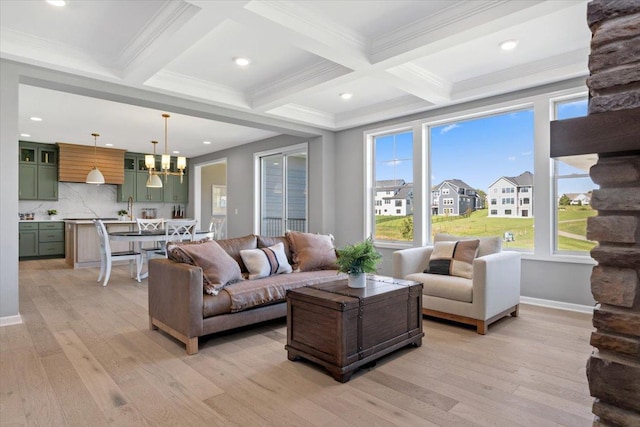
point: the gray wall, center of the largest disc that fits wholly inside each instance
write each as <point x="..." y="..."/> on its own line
<point x="240" y="181"/>
<point x="9" y="193"/>
<point x="544" y="279"/>
<point x="210" y="175"/>
<point x="336" y="176"/>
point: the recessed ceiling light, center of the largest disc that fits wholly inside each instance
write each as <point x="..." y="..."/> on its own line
<point x="346" y="95"/>
<point x="242" y="62"/>
<point x="176" y="152"/>
<point x="58" y="3"/>
<point x="36" y="119"/>
<point x="206" y="142"/>
<point x="25" y="135"/>
<point x="109" y="145"/>
<point x="509" y="44"/>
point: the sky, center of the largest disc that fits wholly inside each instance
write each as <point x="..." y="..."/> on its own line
<point x="477" y="151"/>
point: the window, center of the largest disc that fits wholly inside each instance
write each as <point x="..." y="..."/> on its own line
<point x="507" y="212"/>
<point x="282" y="191"/>
<point x="447" y="201"/>
<point x="489" y="153"/>
<point x="573" y="188"/>
<point x="392" y="161"/>
<point x="445" y="191"/>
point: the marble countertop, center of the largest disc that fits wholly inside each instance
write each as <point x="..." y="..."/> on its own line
<point x="90" y="221"/>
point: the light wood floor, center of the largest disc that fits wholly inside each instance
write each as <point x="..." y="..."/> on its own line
<point x="84" y="356"/>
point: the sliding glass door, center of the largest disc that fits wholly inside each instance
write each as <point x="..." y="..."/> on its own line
<point x="283" y="192"/>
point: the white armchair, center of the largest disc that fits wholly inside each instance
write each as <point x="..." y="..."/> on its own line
<point x="492" y="293"/>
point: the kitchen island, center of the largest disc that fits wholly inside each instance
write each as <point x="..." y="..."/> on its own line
<point x="82" y="245"/>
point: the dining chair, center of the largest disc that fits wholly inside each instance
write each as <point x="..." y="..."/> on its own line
<point x="178" y="230"/>
<point x="216" y="226"/>
<point x="107" y="256"/>
<point x="150" y="225"/>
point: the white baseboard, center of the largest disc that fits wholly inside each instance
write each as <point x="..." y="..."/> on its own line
<point x="10" y="320"/>
<point x="557" y="304"/>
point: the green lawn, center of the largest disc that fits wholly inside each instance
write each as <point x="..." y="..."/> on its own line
<point x="479" y="224"/>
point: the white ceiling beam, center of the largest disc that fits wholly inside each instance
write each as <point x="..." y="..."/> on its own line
<point x="419" y="82"/>
<point x="175" y="28"/>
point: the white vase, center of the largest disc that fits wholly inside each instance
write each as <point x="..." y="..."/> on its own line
<point x="123" y="217"/>
<point x="358" y="280"/>
<point x="52" y="217"/>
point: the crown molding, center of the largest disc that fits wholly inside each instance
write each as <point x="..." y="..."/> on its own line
<point x="306" y="115"/>
<point x="422" y="83"/>
<point x="268" y="95"/>
<point x="292" y="15"/>
<point x="169" y="18"/>
<point x="382" y="111"/>
<point x="417" y="32"/>
<point x="30" y="49"/>
<point x="535" y="73"/>
<point x="181" y="85"/>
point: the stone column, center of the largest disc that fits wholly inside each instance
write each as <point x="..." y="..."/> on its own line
<point x="613" y="369"/>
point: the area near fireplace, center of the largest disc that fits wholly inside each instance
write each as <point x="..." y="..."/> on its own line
<point x="612" y="130"/>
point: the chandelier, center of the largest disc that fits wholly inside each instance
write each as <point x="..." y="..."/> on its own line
<point x="165" y="164"/>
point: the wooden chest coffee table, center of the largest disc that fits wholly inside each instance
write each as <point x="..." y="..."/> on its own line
<point x="342" y="328"/>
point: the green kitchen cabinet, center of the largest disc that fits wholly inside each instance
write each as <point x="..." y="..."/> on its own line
<point x="146" y="194"/>
<point x="47" y="182"/>
<point x="128" y="189"/>
<point x="176" y="191"/>
<point x="41" y="239"/>
<point x="37" y="171"/>
<point x="28" y="181"/>
<point x="28" y="239"/>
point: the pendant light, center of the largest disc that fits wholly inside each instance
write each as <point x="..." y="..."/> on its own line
<point x="95" y="176"/>
<point x="153" y="181"/>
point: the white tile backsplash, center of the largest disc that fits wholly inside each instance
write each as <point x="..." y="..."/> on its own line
<point x="76" y="200"/>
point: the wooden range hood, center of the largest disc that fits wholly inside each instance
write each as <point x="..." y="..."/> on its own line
<point x="75" y="162"/>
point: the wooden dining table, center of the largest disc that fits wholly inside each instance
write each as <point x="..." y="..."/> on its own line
<point x="141" y="236"/>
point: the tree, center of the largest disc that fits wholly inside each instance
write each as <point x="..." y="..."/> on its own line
<point x="483" y="198"/>
<point x="407" y="227"/>
<point x="564" y="200"/>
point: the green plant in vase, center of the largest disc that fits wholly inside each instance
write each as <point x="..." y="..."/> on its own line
<point x="358" y="259"/>
<point x="122" y="213"/>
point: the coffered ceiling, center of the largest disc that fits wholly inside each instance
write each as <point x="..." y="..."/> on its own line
<point x="394" y="57"/>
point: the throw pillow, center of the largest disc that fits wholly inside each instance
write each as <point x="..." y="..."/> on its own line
<point x="235" y="245"/>
<point x="453" y="258"/>
<point x="218" y="268"/>
<point x="266" y="241"/>
<point x="313" y="251"/>
<point x="264" y="262"/>
<point x="488" y="245"/>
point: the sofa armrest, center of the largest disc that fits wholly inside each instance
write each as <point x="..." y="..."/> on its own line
<point x="411" y="260"/>
<point x="176" y="295"/>
<point x="496" y="283"/>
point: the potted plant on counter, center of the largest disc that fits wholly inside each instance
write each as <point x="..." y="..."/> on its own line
<point x="122" y="213"/>
<point x="358" y="259"/>
<point x="52" y="214"/>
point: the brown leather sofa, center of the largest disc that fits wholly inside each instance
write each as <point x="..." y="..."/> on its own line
<point x="179" y="307"/>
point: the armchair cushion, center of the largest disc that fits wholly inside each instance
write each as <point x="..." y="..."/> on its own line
<point x="449" y="287"/>
<point x="453" y="258"/>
